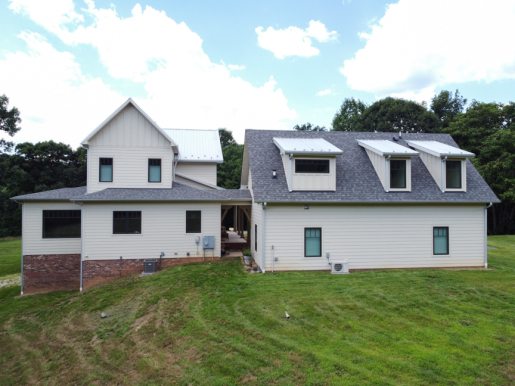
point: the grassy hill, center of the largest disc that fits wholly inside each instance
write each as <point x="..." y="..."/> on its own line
<point x="214" y="324"/>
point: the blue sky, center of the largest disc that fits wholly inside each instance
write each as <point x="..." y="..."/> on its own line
<point x="197" y="64"/>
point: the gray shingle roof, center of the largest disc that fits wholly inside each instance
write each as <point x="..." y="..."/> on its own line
<point x="57" y="194"/>
<point x="356" y="179"/>
<point x="234" y="194"/>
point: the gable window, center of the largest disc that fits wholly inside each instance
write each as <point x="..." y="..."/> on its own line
<point x="154" y="170"/>
<point x="441" y="240"/>
<point x="193" y="221"/>
<point x="255" y="237"/>
<point x="398" y="174"/>
<point x="453" y="174"/>
<point x="313" y="242"/>
<point x="126" y="222"/>
<point x="312" y="166"/>
<point x="61" y="224"/>
<point x="106" y="170"/>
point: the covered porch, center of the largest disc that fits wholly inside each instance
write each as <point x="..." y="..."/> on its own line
<point x="235" y="226"/>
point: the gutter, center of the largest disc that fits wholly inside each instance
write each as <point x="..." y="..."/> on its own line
<point x="375" y="202"/>
<point x="263" y="260"/>
<point x="486" y="234"/>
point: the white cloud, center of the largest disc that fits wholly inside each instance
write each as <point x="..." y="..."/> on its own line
<point x="235" y="67"/>
<point x="324" y="92"/>
<point x="418" y="46"/>
<point x="184" y="88"/>
<point x="294" y="41"/>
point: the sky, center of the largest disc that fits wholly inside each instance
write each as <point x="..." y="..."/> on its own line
<point x="67" y="65"/>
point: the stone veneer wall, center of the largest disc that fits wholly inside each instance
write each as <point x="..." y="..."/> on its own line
<point x="42" y="273"/>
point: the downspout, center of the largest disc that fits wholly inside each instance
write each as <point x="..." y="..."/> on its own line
<point x="291" y="168"/>
<point x="263" y="260"/>
<point x="22" y="216"/>
<point x="81" y="239"/>
<point x="486" y="246"/>
<point x="443" y="174"/>
<point x="387" y="172"/>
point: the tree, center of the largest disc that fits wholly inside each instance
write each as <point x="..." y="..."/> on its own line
<point x="447" y="107"/>
<point x="395" y="115"/>
<point x="229" y="172"/>
<point x="348" y="118"/>
<point x="309" y="127"/>
<point x="9" y="121"/>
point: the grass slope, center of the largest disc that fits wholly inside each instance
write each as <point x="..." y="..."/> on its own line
<point x="10" y="256"/>
<point x="214" y="324"/>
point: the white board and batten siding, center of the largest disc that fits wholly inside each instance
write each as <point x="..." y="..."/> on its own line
<point x="375" y="236"/>
<point x="203" y="171"/>
<point x="379" y="163"/>
<point x="130" y="139"/>
<point x="32" y="230"/>
<point x="434" y="165"/>
<point x="309" y="181"/>
<point x="163" y="229"/>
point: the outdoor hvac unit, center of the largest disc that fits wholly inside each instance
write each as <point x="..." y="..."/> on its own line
<point x="340" y="267"/>
<point x="149" y="267"/>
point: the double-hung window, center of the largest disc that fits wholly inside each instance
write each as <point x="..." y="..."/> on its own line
<point x="154" y="170"/>
<point x="61" y="224"/>
<point x="453" y="174"/>
<point x="106" y="170"/>
<point x="193" y="221"/>
<point x="313" y="242"/>
<point x="126" y="222"/>
<point x="398" y="174"/>
<point x="441" y="240"/>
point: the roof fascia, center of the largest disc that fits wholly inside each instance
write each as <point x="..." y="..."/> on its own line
<point x="437" y="154"/>
<point x="313" y="153"/>
<point x="378" y="202"/>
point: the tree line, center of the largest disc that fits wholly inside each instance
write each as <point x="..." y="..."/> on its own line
<point x="486" y="129"/>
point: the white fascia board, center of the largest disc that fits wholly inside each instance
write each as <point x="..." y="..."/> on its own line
<point x="439" y="149"/>
<point x="115" y="113"/>
<point x="397" y="150"/>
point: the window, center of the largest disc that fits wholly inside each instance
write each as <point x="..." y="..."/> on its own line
<point x="312" y="166"/>
<point x="106" y="170"/>
<point x="193" y="221"/>
<point x="453" y="175"/>
<point x="154" y="170"/>
<point x="313" y="242"/>
<point x="397" y="174"/>
<point x="126" y="223"/>
<point x="440" y="241"/>
<point x="61" y="224"/>
<point x="255" y="237"/>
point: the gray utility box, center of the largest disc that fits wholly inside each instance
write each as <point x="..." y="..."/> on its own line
<point x="149" y="267"/>
<point x="208" y="242"/>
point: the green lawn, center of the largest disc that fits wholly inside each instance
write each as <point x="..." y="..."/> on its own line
<point x="10" y="256"/>
<point x="214" y="324"/>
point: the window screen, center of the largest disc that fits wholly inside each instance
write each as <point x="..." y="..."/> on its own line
<point x="313" y="242"/>
<point x="311" y="166"/>
<point x="193" y="221"/>
<point x="441" y="241"/>
<point x="154" y="170"/>
<point x="59" y="224"/>
<point x="126" y="222"/>
<point x="453" y="175"/>
<point x="106" y="170"/>
<point x="397" y="174"/>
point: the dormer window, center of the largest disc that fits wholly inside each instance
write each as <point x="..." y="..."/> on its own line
<point x="398" y="174"/>
<point x="447" y="164"/>
<point x="311" y="166"/>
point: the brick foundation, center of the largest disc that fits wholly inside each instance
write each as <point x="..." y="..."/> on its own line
<point x="43" y="273"/>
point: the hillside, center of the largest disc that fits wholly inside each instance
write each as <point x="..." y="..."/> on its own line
<point x="214" y="324"/>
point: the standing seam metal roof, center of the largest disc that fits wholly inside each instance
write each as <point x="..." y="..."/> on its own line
<point x="197" y="145"/>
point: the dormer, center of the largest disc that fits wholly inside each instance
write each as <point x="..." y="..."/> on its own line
<point x="392" y="163"/>
<point x="309" y="163"/>
<point x="447" y="164"/>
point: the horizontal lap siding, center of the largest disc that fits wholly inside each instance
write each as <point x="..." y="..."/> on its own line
<point x="163" y="230"/>
<point x="375" y="236"/>
<point x="32" y="230"/>
<point x="202" y="171"/>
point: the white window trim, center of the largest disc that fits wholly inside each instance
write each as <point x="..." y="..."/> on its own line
<point x="309" y="159"/>
<point x="408" y="175"/>
<point x="432" y="241"/>
<point x="463" y="175"/>
<point x="304" y="242"/>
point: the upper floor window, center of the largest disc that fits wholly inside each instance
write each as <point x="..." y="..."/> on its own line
<point x="126" y="222"/>
<point x="61" y="224"/>
<point x="106" y="170"/>
<point x="154" y="170"/>
<point x="453" y="175"/>
<point x="398" y="174"/>
<point x="193" y="221"/>
<point x="312" y="166"/>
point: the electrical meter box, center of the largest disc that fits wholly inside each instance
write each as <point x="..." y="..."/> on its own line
<point x="208" y="242"/>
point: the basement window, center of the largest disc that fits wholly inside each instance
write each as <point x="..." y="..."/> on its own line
<point x="313" y="242"/>
<point x="193" y="221"/>
<point x="61" y="224"/>
<point x="312" y="166"/>
<point x="126" y="222"/>
<point x="154" y="170"/>
<point x="106" y="170"/>
<point x="440" y="240"/>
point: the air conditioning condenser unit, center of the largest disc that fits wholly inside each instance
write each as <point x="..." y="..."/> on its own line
<point x="340" y="267"/>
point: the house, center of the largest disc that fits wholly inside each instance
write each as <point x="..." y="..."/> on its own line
<point x="378" y="200"/>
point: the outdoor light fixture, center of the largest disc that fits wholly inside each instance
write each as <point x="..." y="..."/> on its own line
<point x="274" y="173"/>
<point x="306" y="207"/>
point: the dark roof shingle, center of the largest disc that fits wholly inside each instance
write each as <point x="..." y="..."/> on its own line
<point x="56" y="194"/>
